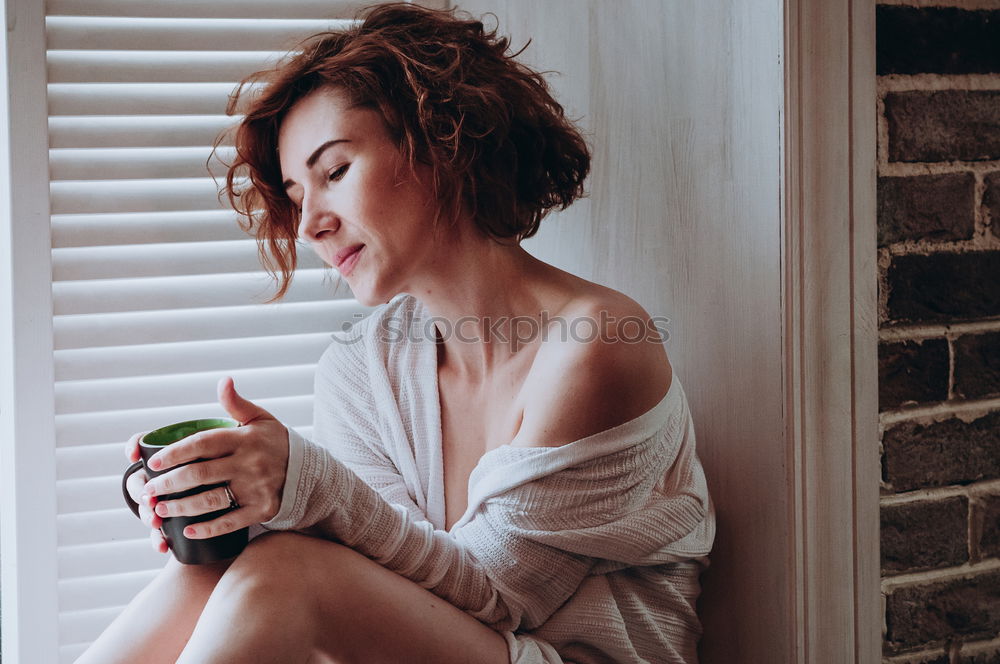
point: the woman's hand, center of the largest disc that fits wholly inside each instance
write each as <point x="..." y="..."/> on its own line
<point x="135" y="484"/>
<point x="252" y="459"/>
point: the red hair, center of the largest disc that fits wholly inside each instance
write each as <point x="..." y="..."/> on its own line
<point x="499" y="147"/>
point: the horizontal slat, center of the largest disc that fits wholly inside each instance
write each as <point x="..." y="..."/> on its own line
<point x="88" y="230"/>
<point x="110" y="131"/>
<point x="96" y="429"/>
<point x="94" y="196"/>
<point x="202" y="9"/>
<point x="84" y="461"/>
<point x="99" y="527"/>
<point x="90" y="494"/>
<point x="178" y="389"/>
<point x="181" y="34"/>
<point x="157" y="66"/>
<point x="111" y="557"/>
<point x="213" y="290"/>
<point x="120" y="329"/>
<point x="156" y="260"/>
<point x="215" y="355"/>
<point x="101" y="592"/>
<point x="138" y="163"/>
<point x="139" y="98"/>
<point x="85" y="626"/>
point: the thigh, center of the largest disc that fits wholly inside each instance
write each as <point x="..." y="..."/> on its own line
<point x="176" y="597"/>
<point x="366" y="613"/>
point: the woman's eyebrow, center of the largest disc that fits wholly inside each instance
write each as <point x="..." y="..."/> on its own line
<point x="314" y="157"/>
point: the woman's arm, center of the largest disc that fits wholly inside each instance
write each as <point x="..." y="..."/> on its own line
<point x="349" y="489"/>
<point x="509" y="565"/>
<point x="488" y="568"/>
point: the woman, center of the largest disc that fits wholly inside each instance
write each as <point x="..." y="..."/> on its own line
<point x="501" y="470"/>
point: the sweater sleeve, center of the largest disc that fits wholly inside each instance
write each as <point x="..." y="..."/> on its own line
<point x="497" y="573"/>
<point x="349" y="490"/>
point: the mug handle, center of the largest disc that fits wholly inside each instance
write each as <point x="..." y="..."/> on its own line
<point x="128" y="473"/>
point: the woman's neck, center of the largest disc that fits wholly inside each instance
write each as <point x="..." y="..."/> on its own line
<point x="488" y="306"/>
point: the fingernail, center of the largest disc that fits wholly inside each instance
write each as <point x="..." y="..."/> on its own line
<point x="162" y="512"/>
<point x="154" y="463"/>
<point x="189" y="532"/>
<point x="145" y="499"/>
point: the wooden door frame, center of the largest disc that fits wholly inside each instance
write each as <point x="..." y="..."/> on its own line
<point x="28" y="557"/>
<point x="828" y="294"/>
<point x="829" y="298"/>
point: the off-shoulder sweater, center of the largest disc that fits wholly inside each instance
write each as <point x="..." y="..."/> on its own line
<point x="588" y="552"/>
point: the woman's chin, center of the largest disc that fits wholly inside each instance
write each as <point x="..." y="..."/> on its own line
<point x="371" y="298"/>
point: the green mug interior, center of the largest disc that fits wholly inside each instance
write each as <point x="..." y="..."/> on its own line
<point x="174" y="432"/>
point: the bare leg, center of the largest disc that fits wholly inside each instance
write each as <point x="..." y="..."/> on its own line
<point x="290" y="597"/>
<point x="157" y="624"/>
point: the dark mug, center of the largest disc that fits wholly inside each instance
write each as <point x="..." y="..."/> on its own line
<point x="189" y="551"/>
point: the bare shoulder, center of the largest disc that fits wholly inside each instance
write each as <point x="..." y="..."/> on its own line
<point x="601" y="364"/>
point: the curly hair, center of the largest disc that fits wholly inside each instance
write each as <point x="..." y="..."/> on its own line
<point x="499" y="147"/>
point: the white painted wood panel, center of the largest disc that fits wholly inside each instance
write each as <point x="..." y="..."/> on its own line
<point x="832" y="337"/>
<point x="27" y="406"/>
<point x="682" y="103"/>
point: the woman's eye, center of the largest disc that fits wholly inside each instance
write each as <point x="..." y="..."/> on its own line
<point x="338" y="173"/>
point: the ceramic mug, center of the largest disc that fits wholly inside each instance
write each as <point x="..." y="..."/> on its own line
<point x="188" y="551"/>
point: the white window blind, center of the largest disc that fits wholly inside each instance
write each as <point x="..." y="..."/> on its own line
<point x="155" y="291"/>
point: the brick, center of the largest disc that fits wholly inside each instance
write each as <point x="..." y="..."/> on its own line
<point x="912" y="372"/>
<point x="948" y="452"/>
<point x="989" y="539"/>
<point x="980" y="658"/>
<point x="926" y="207"/>
<point x="991" y="200"/>
<point x="943" y="125"/>
<point x="936" y="40"/>
<point x="940" y="659"/>
<point x="924" y="614"/>
<point x="921" y="658"/>
<point x="944" y="287"/>
<point x="977" y="365"/>
<point x="925" y="534"/>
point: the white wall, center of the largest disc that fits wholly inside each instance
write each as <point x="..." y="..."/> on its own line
<point x="682" y="102"/>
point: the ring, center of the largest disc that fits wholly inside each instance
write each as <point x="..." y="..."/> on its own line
<point x="232" y="499"/>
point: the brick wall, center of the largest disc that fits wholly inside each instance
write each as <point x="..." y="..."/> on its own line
<point x="939" y="349"/>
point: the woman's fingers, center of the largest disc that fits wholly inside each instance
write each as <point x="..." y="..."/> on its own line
<point x="132" y="446"/>
<point x="203" y="502"/>
<point x="201" y="473"/>
<point x="135" y="484"/>
<point x="209" y="444"/>
<point x="227" y="523"/>
<point x="147" y="503"/>
<point x="148" y="515"/>
<point x="156" y="540"/>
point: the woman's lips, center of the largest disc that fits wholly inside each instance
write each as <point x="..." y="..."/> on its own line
<point x="342" y="254"/>
<point x="347" y="258"/>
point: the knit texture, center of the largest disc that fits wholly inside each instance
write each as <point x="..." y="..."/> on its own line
<point x="587" y="552"/>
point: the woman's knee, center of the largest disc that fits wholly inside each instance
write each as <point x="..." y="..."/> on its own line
<point x="279" y="561"/>
<point x="199" y="579"/>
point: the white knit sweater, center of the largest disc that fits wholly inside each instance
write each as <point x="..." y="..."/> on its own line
<point x="589" y="552"/>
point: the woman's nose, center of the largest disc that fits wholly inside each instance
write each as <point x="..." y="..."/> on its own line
<point x="316" y="220"/>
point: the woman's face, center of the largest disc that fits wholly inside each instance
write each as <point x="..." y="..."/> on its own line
<point x="356" y="194"/>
